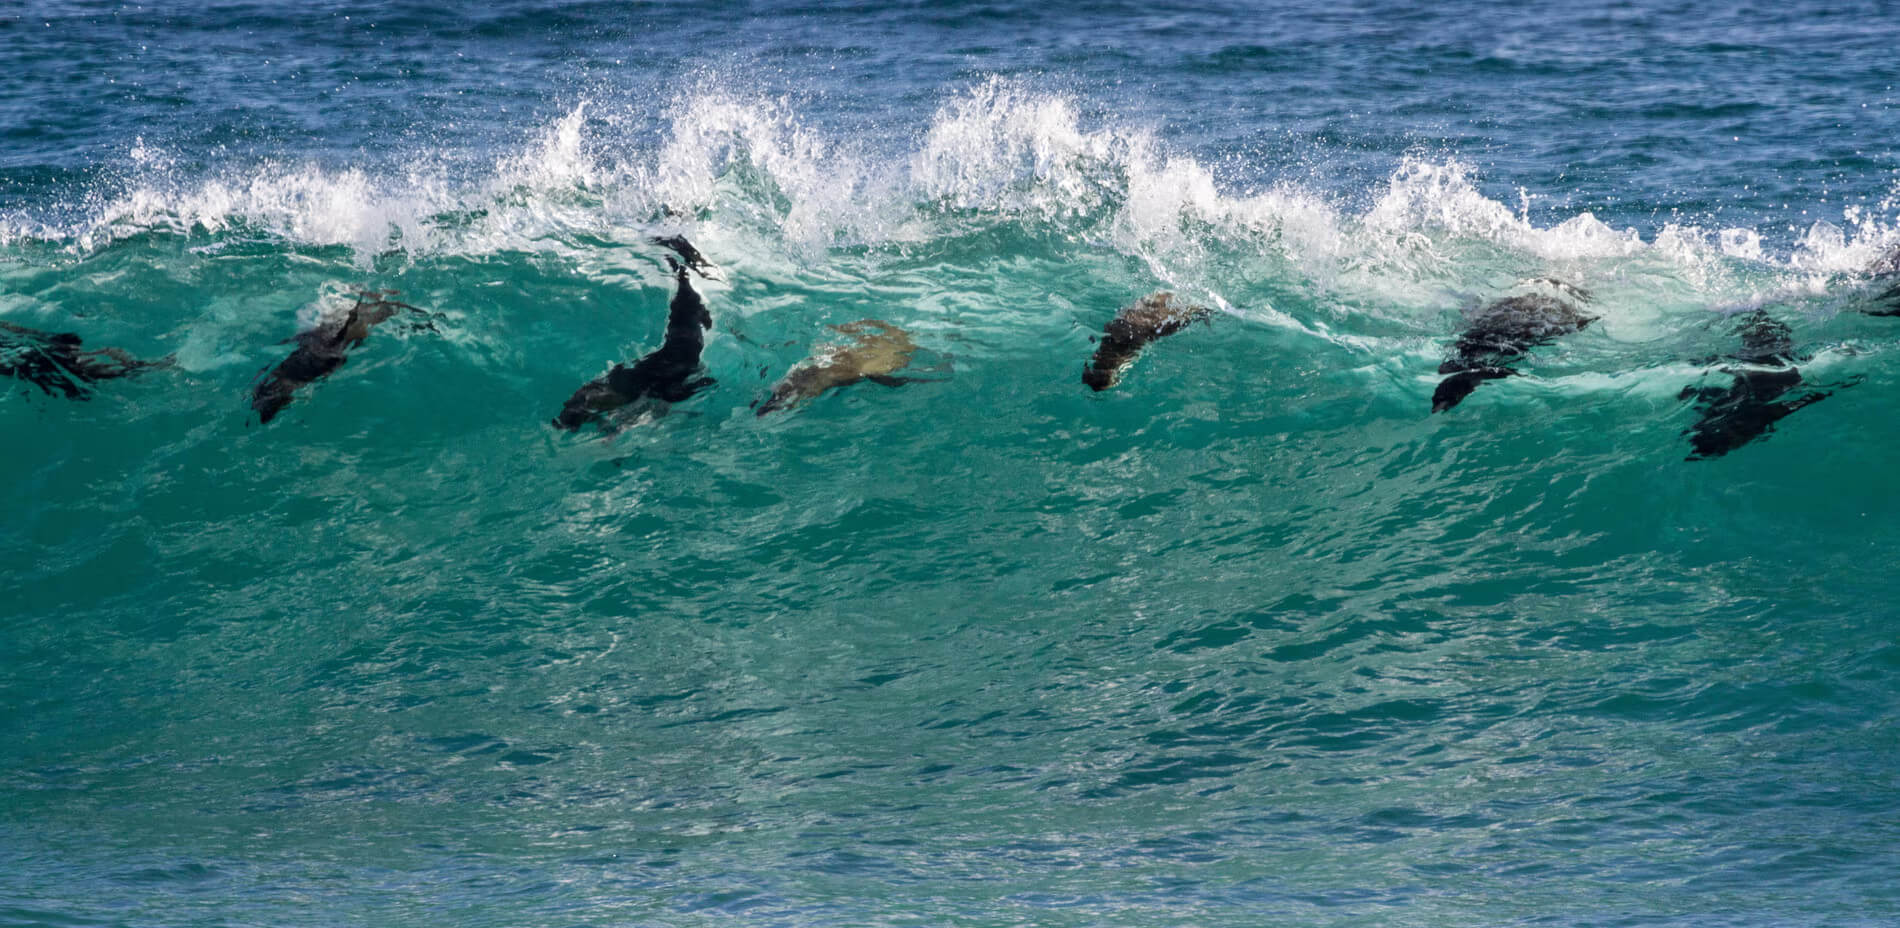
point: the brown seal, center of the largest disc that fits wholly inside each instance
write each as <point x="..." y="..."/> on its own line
<point x="1156" y="315"/>
<point x="877" y="351"/>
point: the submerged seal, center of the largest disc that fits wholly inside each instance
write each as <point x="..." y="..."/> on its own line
<point x="1153" y="316"/>
<point x="322" y="349"/>
<point x="52" y="361"/>
<point x="670" y="374"/>
<point x="877" y="351"/>
<point x="1886" y="270"/>
<point x="1749" y="407"/>
<point x="1500" y="333"/>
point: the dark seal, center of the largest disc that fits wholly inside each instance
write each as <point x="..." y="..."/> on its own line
<point x="669" y="375"/>
<point x="1500" y="333"/>
<point x="1885" y="273"/>
<point x="1757" y="398"/>
<point x="322" y="349"/>
<point x="1154" y="316"/>
<point x="53" y="362"/>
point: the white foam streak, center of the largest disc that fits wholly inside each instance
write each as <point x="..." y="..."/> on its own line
<point x="999" y="154"/>
<point x="307" y="205"/>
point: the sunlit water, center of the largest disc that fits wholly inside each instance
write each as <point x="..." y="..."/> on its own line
<point x="1252" y="639"/>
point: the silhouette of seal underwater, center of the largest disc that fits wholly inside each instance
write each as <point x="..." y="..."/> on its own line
<point x="1154" y="316"/>
<point x="52" y="361"/>
<point x="1749" y="407"/>
<point x="877" y="351"/>
<point x="1500" y="333"/>
<point x="670" y="374"/>
<point x="1886" y="270"/>
<point x="322" y="349"/>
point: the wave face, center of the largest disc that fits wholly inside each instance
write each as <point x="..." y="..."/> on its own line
<point x="1252" y="637"/>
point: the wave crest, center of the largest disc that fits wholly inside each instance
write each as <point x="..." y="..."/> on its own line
<point x="999" y="155"/>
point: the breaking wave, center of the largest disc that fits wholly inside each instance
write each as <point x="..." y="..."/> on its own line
<point x="998" y="159"/>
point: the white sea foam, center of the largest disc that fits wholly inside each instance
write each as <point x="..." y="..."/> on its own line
<point x="1001" y="153"/>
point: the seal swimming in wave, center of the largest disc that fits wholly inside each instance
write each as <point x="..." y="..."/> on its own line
<point x="52" y="361"/>
<point x="1153" y="316"/>
<point x="670" y="374"/>
<point x="1501" y="332"/>
<point x="1886" y="270"/>
<point x="1750" y="406"/>
<point x="322" y="349"/>
<point x="877" y="351"/>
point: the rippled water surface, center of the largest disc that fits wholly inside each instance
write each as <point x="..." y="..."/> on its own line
<point x="1253" y="638"/>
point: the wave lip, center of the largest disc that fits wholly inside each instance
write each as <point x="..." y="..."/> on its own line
<point x="998" y="154"/>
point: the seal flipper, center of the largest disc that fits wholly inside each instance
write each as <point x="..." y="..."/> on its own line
<point x="1453" y="390"/>
<point x="690" y="255"/>
<point x="681" y="392"/>
<point x="53" y="362"/>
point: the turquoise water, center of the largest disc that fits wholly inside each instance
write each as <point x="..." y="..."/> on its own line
<point x="1251" y="639"/>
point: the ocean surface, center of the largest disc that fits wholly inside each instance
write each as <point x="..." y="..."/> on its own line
<point x="1253" y="638"/>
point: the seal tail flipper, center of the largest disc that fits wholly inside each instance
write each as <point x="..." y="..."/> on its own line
<point x="687" y="306"/>
<point x="692" y="256"/>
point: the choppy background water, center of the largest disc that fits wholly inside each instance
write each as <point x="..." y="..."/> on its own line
<point x="1251" y="640"/>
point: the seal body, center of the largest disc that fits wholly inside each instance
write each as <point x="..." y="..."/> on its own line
<point x="1154" y="316"/>
<point x="321" y="349"/>
<point x="1500" y="333"/>
<point x="670" y="374"/>
<point x="53" y="362"/>
<point x="1757" y="398"/>
<point x="877" y="351"/>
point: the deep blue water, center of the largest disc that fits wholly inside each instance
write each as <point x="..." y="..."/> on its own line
<point x="1253" y="638"/>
